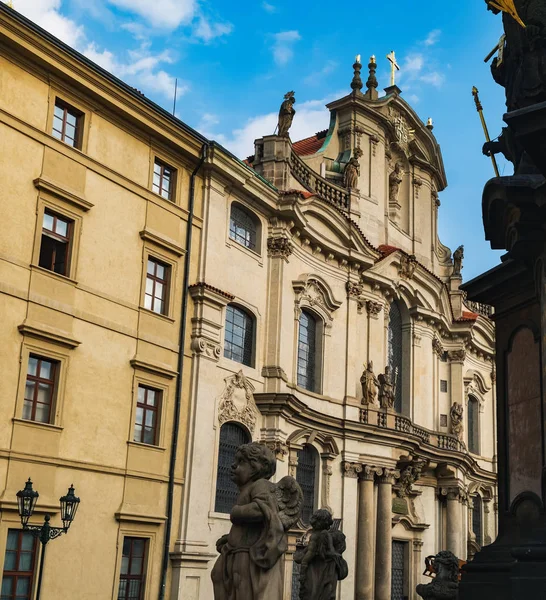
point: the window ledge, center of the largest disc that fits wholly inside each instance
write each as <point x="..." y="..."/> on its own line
<point x="219" y="516"/>
<point x="146" y="446"/>
<point x="37" y="424"/>
<point x="54" y="275"/>
<point x="252" y="253"/>
<point x="158" y="315"/>
<point x="49" y="334"/>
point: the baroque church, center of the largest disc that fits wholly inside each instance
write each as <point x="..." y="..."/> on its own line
<point x="328" y="324"/>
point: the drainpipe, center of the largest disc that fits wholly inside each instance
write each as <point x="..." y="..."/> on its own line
<point x="180" y="366"/>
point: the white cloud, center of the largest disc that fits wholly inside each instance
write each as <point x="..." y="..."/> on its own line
<point x="165" y="14"/>
<point x="283" y="50"/>
<point x="433" y="78"/>
<point x="270" y="8"/>
<point x="416" y="68"/>
<point x="328" y="68"/>
<point x="207" y="31"/>
<point x="433" y="37"/>
<point x="412" y="66"/>
<point x="46" y="14"/>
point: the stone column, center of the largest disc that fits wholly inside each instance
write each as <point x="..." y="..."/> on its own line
<point x="454" y="524"/>
<point x="418" y="563"/>
<point x="365" y="535"/>
<point x="349" y="493"/>
<point x="383" y="546"/>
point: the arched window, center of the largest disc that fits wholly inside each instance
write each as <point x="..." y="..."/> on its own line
<point x="239" y="337"/>
<point x="306" y="476"/>
<point x="244" y="227"/>
<point x="477" y="526"/>
<point x="231" y="437"/>
<point x="395" y="352"/>
<point x="308" y="352"/>
<point x="473" y="425"/>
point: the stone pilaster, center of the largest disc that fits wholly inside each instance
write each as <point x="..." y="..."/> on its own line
<point x="454" y="531"/>
<point x="383" y="546"/>
<point x="417" y="563"/>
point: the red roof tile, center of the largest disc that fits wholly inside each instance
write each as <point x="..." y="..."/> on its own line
<point x="468" y="316"/>
<point x="386" y="250"/>
<point x="308" y="146"/>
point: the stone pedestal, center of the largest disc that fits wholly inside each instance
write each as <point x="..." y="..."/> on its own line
<point x="366" y="528"/>
<point x="272" y="160"/>
<point x="383" y="547"/>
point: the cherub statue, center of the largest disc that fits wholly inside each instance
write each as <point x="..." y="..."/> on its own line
<point x="352" y="170"/>
<point x="322" y="565"/>
<point x="395" y="180"/>
<point x="369" y="383"/>
<point x="445" y="586"/>
<point x="286" y="114"/>
<point x="458" y="256"/>
<point x="387" y="389"/>
<point x="456" y="414"/>
<point x="248" y="567"/>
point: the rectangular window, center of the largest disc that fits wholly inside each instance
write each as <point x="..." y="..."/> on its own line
<point x="157" y="286"/>
<point x="39" y="389"/>
<point x="55" y="243"/>
<point x="19" y="564"/>
<point x="163" y="181"/>
<point x="131" y="578"/>
<point x="147" y="415"/>
<point x="67" y="124"/>
<point x="443" y="385"/>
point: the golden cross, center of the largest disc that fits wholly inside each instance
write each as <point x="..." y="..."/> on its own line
<point x="394" y="66"/>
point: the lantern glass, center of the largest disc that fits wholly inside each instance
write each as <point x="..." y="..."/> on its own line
<point x="26" y="502"/>
<point x="69" y="507"/>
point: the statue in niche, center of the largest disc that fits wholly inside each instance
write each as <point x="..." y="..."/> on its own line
<point x="352" y="170"/>
<point x="387" y="388"/>
<point x="249" y="565"/>
<point x="395" y="180"/>
<point x="458" y="257"/>
<point x="369" y="383"/>
<point x="445" y="586"/>
<point x="286" y="114"/>
<point x="322" y="564"/>
<point x="456" y="414"/>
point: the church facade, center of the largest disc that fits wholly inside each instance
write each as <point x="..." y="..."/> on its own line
<point x="328" y="324"/>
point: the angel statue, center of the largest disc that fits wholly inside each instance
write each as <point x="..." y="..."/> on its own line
<point x="322" y="565"/>
<point x="352" y="170"/>
<point x="248" y="567"/>
<point x="369" y="383"/>
<point x="387" y="389"/>
<point x="286" y="114"/>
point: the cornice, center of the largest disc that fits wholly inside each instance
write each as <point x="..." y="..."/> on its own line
<point x="71" y="197"/>
<point x="48" y="334"/>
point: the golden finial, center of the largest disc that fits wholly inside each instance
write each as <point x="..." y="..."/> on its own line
<point x="10" y="3"/>
<point x="507" y="6"/>
<point x="357" y="58"/>
<point x="372" y="59"/>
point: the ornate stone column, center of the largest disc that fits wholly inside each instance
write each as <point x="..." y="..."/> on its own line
<point x="453" y="519"/>
<point x="365" y="535"/>
<point x="383" y="546"/>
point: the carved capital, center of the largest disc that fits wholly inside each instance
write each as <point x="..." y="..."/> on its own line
<point x="354" y="290"/>
<point x="279" y="449"/>
<point x="417" y="545"/>
<point x="351" y="469"/>
<point x="206" y="348"/>
<point x="456" y="355"/>
<point x="373" y="308"/>
<point x="453" y="494"/>
<point x="389" y="476"/>
<point x="437" y="347"/>
<point x="279" y="247"/>
<point x="369" y="472"/>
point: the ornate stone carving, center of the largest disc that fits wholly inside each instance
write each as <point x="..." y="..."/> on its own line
<point x="407" y="267"/>
<point x="354" y="290"/>
<point x="387" y="388"/>
<point x="453" y="493"/>
<point x="389" y="475"/>
<point x="274" y="372"/>
<point x="237" y="402"/>
<point x="293" y="465"/>
<point x="279" y="449"/>
<point x="408" y="476"/>
<point x="493" y="375"/>
<point x="351" y="469"/>
<point x="374" y="140"/>
<point x="458" y="257"/>
<point x="373" y="308"/>
<point x="314" y="293"/>
<point x="456" y="412"/>
<point x="369" y="472"/>
<point x="279" y="247"/>
<point x="369" y="383"/>
<point x="456" y="355"/>
<point x="437" y="347"/>
<point x="352" y="170"/>
<point x="286" y="114"/>
<point x="445" y="585"/>
<point x="206" y="347"/>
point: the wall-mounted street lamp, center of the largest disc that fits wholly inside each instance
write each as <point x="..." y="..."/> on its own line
<point x="26" y="502"/>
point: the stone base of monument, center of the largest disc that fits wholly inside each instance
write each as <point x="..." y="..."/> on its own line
<point x="529" y="125"/>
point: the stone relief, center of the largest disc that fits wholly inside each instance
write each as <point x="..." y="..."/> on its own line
<point x="395" y="180"/>
<point x="373" y="308"/>
<point x="237" y="402"/>
<point x="437" y="347"/>
<point x="408" y="476"/>
<point x="456" y="413"/>
<point x="279" y="247"/>
<point x="369" y="383"/>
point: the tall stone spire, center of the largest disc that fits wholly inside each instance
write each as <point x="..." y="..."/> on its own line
<point x="371" y="84"/>
<point x="356" y="83"/>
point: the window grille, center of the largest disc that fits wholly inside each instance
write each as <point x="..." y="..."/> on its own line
<point x="19" y="562"/>
<point x="242" y="227"/>
<point x="296" y="570"/>
<point x="231" y="437"/>
<point x="239" y="338"/>
<point x="473" y="430"/>
<point x="307" y="351"/>
<point x="306" y="473"/>
<point x="398" y="568"/>
<point x="395" y="352"/>
<point x="477" y="518"/>
<point x="131" y="578"/>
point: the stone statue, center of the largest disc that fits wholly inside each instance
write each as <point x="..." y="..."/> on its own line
<point x="445" y="586"/>
<point x="369" y="383"/>
<point x="352" y="170"/>
<point x="286" y="114"/>
<point x="456" y="413"/>
<point x="248" y="567"/>
<point x="458" y="256"/>
<point x="387" y="389"/>
<point x="322" y="565"/>
<point x="395" y="180"/>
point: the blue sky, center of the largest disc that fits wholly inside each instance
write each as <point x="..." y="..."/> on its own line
<point x="234" y="62"/>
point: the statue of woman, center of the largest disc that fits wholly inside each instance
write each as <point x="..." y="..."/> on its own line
<point x="352" y="170"/>
<point x="248" y="567"/>
<point x="286" y="114"/>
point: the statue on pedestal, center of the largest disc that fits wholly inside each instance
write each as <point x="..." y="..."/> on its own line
<point x="322" y="565"/>
<point x="456" y="414"/>
<point x="387" y="389"/>
<point x="286" y="114"/>
<point x="249" y="565"/>
<point x="445" y="586"/>
<point x="352" y="170"/>
<point x="369" y="383"/>
<point x="395" y="180"/>
<point x="458" y="257"/>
